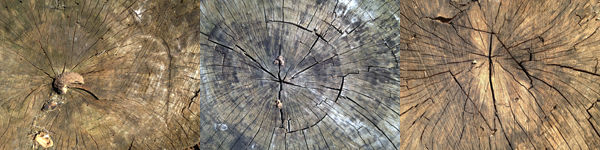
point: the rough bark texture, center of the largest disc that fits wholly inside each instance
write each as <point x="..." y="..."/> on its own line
<point x="499" y="74"/>
<point x="138" y="60"/>
<point x="331" y="64"/>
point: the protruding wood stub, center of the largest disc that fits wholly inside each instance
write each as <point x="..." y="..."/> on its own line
<point x="65" y="80"/>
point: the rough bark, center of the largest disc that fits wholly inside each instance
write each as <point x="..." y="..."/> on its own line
<point x="332" y="65"/>
<point x="138" y="60"/>
<point x="498" y="74"/>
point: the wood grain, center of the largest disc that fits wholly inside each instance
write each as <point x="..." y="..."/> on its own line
<point x="338" y="82"/>
<point x="494" y="74"/>
<point x="136" y="61"/>
<point x="174" y="74"/>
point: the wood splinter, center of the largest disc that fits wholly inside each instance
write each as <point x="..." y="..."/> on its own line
<point x="278" y="104"/>
<point x="66" y="80"/>
<point x="43" y="139"/>
<point x="51" y="105"/>
<point x="279" y="61"/>
<point x="281" y="112"/>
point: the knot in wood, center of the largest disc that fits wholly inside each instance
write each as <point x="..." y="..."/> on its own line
<point x="65" y="80"/>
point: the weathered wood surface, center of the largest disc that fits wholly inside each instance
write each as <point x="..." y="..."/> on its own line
<point x="338" y="82"/>
<point x="139" y="61"/>
<point x="499" y="74"/>
<point x="172" y="74"/>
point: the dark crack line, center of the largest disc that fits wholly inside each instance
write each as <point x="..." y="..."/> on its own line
<point x="461" y="135"/>
<point x="340" y="90"/>
<point x="305" y="128"/>
<point x="40" y="34"/>
<point x="309" y="51"/>
<point x="92" y="137"/>
<point x="461" y="38"/>
<point x="291" y="23"/>
<point x="23" y="58"/>
<point x="248" y="126"/>
<point x="513" y="58"/>
<point x="514" y="78"/>
<point x="330" y="88"/>
<point x="363" y="139"/>
<point x="439" y="118"/>
<point x="591" y="116"/>
<point x="106" y="50"/>
<point x="259" y="126"/>
<point x="562" y="95"/>
<point x="94" y="25"/>
<point x="369" y="119"/>
<point x="517" y="122"/>
<point x="192" y="99"/>
<point x="280" y="81"/>
<point x="596" y="66"/>
<point x="301" y="71"/>
<point x="578" y="91"/>
<point x="271" y="139"/>
<point x="323" y="136"/>
<point x="561" y="134"/>
<point x="131" y="144"/>
<point x="416" y="105"/>
<point x="87" y="91"/>
<point x="29" y="94"/>
<point x="576" y="69"/>
<point x="182" y="129"/>
<point x="471" y="100"/>
<point x="48" y="58"/>
<point x="306" y="96"/>
<point x="235" y="124"/>
<point x="490" y="74"/>
<point x="170" y="80"/>
<point x="254" y="60"/>
<point x="282" y="117"/>
<point x="374" y="99"/>
<point x="305" y="141"/>
<point x="228" y="114"/>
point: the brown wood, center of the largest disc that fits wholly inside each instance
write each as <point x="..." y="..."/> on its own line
<point x="497" y="74"/>
<point x="175" y="74"/>
<point x="137" y="62"/>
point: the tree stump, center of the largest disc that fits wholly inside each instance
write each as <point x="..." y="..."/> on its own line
<point x="499" y="74"/>
<point x="118" y="74"/>
<point x="299" y="74"/>
<point x="138" y="61"/>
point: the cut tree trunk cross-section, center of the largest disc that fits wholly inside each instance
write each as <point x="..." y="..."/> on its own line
<point x="203" y="74"/>
<point x="496" y="74"/>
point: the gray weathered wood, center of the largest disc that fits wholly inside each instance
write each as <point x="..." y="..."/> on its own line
<point x="174" y="74"/>
<point x="338" y="85"/>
